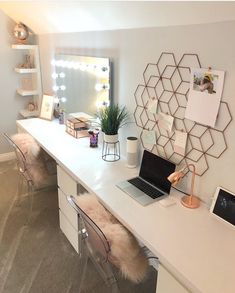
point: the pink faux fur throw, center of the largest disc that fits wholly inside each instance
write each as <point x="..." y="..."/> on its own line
<point x="35" y="161"/>
<point x="126" y="253"/>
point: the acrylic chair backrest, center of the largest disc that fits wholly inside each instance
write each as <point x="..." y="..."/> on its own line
<point x="96" y="241"/>
<point x="21" y="159"/>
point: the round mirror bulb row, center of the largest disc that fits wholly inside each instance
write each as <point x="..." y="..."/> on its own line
<point x="56" y="88"/>
<point x="57" y="75"/>
<point x="79" y="65"/>
<point x="57" y="100"/>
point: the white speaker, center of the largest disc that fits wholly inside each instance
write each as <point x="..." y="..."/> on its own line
<point x="132" y="151"/>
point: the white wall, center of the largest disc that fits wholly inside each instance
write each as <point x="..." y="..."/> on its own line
<point x="132" y="49"/>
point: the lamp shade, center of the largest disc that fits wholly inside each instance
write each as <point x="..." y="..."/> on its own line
<point x="175" y="177"/>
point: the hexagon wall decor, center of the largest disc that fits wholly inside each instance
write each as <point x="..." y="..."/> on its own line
<point x="167" y="81"/>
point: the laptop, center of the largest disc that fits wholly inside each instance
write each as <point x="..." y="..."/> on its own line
<point x="152" y="183"/>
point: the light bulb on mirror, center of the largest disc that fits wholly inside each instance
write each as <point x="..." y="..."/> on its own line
<point x="82" y="66"/>
<point x="63" y="99"/>
<point x="56" y="100"/>
<point x="101" y="86"/>
<point x="106" y="86"/>
<point x="53" y="62"/>
<point x="55" y="88"/>
<point x="62" y="75"/>
<point x="63" y="87"/>
<point x="54" y="75"/>
<point x="104" y="68"/>
<point x="58" y="63"/>
<point x="76" y="66"/>
<point x="98" y="87"/>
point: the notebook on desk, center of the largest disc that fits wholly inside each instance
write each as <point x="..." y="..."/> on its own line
<point x="152" y="183"/>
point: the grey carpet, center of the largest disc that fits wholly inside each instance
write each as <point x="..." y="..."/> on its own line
<point x="37" y="258"/>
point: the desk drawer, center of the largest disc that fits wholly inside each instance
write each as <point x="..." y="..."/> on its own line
<point x="66" y="183"/>
<point x="69" y="231"/>
<point x="166" y="282"/>
<point x="67" y="210"/>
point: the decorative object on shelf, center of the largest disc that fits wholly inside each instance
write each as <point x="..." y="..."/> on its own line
<point x="47" y="107"/>
<point x="111" y="119"/>
<point x="26" y="84"/>
<point x="32" y="106"/>
<point x="31" y="67"/>
<point x="28" y="62"/>
<point x="21" y="33"/>
<point x="168" y="81"/>
<point x="93" y="137"/>
<point x="132" y="151"/>
<point x="189" y="201"/>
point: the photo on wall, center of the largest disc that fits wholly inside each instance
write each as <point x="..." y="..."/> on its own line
<point x="205" y="82"/>
<point x="206" y="87"/>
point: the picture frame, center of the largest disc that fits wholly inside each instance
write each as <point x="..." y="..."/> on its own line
<point x="205" y="92"/>
<point x="223" y="205"/>
<point x="47" y="107"/>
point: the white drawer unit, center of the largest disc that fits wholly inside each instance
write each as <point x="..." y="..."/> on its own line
<point x="69" y="231"/>
<point x="66" y="183"/>
<point x="68" y="217"/>
<point x="167" y="283"/>
<point x="67" y="210"/>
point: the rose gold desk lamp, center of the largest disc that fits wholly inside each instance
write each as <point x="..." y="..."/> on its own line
<point x="189" y="201"/>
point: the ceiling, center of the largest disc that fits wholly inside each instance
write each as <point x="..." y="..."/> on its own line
<point x="74" y="16"/>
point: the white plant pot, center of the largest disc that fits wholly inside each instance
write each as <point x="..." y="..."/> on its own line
<point x="111" y="138"/>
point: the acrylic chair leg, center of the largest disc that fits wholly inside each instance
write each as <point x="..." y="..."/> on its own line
<point x="83" y="266"/>
<point x="110" y="279"/>
<point x="114" y="288"/>
<point x="106" y="272"/>
<point x="31" y="198"/>
<point x="19" y="190"/>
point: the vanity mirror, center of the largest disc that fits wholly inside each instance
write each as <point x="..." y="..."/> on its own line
<point x="81" y="84"/>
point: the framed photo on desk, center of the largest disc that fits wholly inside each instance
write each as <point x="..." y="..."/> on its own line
<point x="47" y="107"/>
<point x="223" y="205"/>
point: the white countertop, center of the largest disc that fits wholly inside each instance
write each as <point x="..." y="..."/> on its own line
<point x="197" y="248"/>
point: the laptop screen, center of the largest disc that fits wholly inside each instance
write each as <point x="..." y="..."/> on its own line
<point x="155" y="170"/>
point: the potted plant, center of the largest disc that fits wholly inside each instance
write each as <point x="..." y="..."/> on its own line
<point x="112" y="118"/>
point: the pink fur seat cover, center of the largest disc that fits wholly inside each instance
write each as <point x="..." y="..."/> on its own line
<point x="35" y="162"/>
<point x="126" y="253"/>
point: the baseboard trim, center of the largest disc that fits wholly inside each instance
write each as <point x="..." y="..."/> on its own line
<point x="7" y="156"/>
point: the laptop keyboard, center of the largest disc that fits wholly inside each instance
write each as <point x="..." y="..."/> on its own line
<point x="145" y="187"/>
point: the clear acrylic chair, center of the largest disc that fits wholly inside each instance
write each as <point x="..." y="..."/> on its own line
<point x="93" y="244"/>
<point x="23" y="172"/>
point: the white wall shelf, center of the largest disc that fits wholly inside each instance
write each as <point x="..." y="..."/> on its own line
<point x="27" y="114"/>
<point x="24" y="47"/>
<point x="35" y="72"/>
<point x="25" y="93"/>
<point x="26" y="70"/>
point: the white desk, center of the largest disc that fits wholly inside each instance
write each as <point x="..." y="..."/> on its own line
<point x="196" y="248"/>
